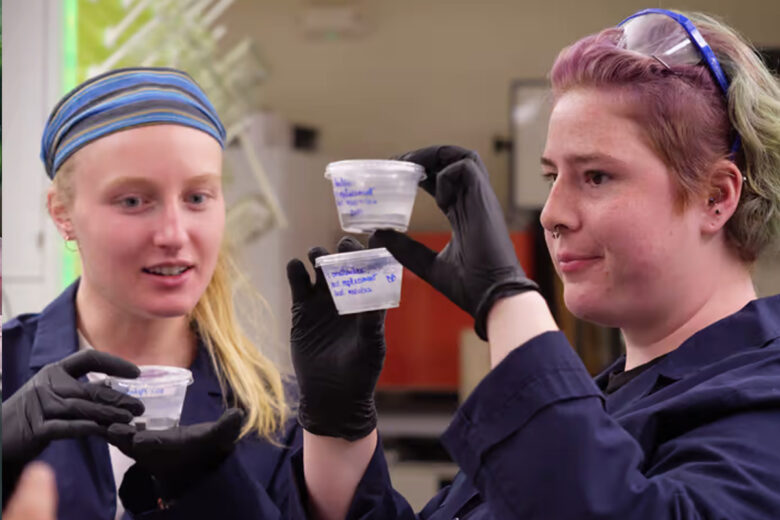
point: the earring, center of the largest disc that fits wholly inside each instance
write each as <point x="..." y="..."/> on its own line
<point x="72" y="248"/>
<point x="556" y="233"/>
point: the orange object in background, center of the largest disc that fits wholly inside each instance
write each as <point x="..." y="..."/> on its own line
<point x="423" y="333"/>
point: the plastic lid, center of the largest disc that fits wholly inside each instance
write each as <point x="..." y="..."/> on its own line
<point x="352" y="256"/>
<point x="159" y="375"/>
<point x="383" y="165"/>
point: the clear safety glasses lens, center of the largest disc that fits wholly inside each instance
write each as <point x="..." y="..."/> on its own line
<point x="670" y="38"/>
<point x="661" y="37"/>
<point x="673" y="40"/>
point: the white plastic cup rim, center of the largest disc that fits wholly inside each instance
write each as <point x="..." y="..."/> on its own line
<point x="374" y="166"/>
<point x="158" y="375"/>
<point x="364" y="255"/>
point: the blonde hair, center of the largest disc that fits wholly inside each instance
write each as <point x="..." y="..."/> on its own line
<point x="256" y="383"/>
<point x="754" y="111"/>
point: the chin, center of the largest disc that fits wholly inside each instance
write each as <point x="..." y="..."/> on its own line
<point x="169" y="310"/>
<point x="592" y="307"/>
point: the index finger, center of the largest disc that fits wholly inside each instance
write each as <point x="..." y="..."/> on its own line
<point x="436" y="158"/>
<point x="80" y="363"/>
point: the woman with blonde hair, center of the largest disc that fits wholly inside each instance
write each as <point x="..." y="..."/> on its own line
<point x="663" y="155"/>
<point x="135" y="156"/>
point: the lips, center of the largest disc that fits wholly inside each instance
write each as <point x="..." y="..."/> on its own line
<point x="572" y="262"/>
<point x="168" y="269"/>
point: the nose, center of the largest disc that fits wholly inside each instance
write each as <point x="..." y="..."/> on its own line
<point x="170" y="232"/>
<point x="560" y="211"/>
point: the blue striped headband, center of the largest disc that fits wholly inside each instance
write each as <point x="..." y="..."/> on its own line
<point x="122" y="99"/>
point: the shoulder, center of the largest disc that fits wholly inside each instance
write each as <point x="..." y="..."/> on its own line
<point x="24" y="324"/>
<point x="18" y="338"/>
<point x="745" y="382"/>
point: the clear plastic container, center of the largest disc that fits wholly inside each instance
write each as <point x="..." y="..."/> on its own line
<point x="374" y="194"/>
<point x="161" y="389"/>
<point x="364" y="280"/>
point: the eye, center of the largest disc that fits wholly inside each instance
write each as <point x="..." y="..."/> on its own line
<point x="198" y="198"/>
<point x="550" y="178"/>
<point x="596" y="178"/>
<point x="130" y="202"/>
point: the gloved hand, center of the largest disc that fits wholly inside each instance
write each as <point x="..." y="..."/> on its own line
<point x="172" y="460"/>
<point x="478" y="266"/>
<point x="53" y="404"/>
<point x="337" y="359"/>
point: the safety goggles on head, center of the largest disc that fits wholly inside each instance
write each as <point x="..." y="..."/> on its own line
<point x="672" y="40"/>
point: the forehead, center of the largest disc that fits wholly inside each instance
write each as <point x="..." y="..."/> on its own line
<point x="150" y="151"/>
<point x="589" y="120"/>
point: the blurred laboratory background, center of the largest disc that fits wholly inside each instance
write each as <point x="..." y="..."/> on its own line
<point x="300" y="83"/>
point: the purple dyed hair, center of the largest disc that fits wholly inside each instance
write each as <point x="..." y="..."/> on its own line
<point x="688" y="121"/>
<point x="682" y="110"/>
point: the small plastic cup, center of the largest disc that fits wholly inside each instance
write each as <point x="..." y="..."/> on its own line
<point x="364" y="280"/>
<point x="161" y="389"/>
<point x="374" y="194"/>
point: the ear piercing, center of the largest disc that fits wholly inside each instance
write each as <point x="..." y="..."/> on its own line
<point x="712" y="203"/>
<point x="68" y="246"/>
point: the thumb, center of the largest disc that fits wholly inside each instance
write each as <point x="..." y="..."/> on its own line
<point x="228" y="426"/>
<point x="121" y="435"/>
<point x="454" y="182"/>
<point x="415" y="256"/>
<point x="35" y="497"/>
<point x="299" y="281"/>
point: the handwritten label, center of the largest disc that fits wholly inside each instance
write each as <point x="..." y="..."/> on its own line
<point x="352" y="199"/>
<point x="148" y="391"/>
<point x="353" y="280"/>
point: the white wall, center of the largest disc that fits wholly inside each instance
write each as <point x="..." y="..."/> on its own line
<point x="307" y="199"/>
<point x="31" y="86"/>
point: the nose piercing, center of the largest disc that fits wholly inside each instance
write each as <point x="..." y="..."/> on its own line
<point x="556" y="231"/>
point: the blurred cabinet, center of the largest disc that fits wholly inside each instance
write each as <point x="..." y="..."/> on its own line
<point x="423" y="334"/>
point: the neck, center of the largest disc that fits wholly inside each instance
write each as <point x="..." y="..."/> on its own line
<point x="138" y="339"/>
<point x="703" y="306"/>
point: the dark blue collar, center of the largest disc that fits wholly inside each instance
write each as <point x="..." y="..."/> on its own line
<point x="56" y="338"/>
<point x="752" y="327"/>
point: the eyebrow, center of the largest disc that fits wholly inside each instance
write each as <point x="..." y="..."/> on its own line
<point x="147" y="183"/>
<point x="205" y="178"/>
<point x="583" y="159"/>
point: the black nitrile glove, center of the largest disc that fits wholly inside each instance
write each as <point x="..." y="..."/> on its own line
<point x="478" y="266"/>
<point x="54" y="404"/>
<point x="172" y="459"/>
<point x="337" y="359"/>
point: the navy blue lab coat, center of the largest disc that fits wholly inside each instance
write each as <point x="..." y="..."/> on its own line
<point x="251" y="483"/>
<point x="695" y="436"/>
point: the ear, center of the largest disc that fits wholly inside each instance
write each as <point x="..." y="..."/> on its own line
<point x="60" y="214"/>
<point x="722" y="196"/>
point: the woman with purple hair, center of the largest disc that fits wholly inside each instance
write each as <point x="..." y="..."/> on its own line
<point x="663" y="156"/>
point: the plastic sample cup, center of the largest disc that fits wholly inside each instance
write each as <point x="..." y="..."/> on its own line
<point x="364" y="280"/>
<point x="374" y="194"/>
<point x="161" y="389"/>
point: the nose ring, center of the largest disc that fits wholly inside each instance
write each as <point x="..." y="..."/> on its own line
<point x="556" y="231"/>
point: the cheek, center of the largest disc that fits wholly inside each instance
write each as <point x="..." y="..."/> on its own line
<point x="106" y="237"/>
<point x="641" y="244"/>
<point x="210" y="234"/>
